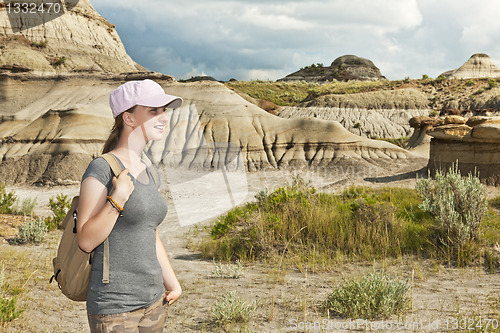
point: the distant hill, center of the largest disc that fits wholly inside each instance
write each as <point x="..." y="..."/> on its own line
<point x="344" y="68"/>
<point x="479" y="65"/>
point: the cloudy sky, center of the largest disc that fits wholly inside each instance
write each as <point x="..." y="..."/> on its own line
<point x="268" y="39"/>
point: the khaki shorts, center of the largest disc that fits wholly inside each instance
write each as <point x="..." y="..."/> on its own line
<point x="147" y="320"/>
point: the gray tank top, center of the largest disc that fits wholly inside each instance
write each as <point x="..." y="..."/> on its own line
<point x="135" y="276"/>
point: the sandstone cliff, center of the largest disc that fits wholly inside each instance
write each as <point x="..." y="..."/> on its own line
<point x="78" y="40"/>
<point x="53" y="126"/>
<point x="472" y="142"/>
<point x="380" y="114"/>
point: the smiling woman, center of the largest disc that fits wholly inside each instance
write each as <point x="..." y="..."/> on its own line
<point x="126" y="211"/>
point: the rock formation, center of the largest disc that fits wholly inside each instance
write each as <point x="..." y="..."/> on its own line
<point x="78" y="40"/>
<point x="479" y="65"/>
<point x="51" y="130"/>
<point x="344" y="68"/>
<point x="54" y="112"/>
<point x="473" y="142"/>
<point x="380" y="114"/>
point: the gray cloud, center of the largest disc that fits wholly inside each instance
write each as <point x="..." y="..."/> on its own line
<point x="269" y="39"/>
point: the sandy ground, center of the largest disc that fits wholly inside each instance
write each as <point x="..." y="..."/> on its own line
<point x="287" y="301"/>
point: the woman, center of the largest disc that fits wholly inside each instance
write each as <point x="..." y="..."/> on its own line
<point x="127" y="210"/>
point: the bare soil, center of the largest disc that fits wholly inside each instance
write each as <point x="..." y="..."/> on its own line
<point x="287" y="300"/>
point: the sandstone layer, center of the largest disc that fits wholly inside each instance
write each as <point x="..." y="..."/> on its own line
<point x="380" y="114"/>
<point x="78" y="40"/>
<point x="479" y="65"/>
<point x="474" y="143"/>
<point x="53" y="126"/>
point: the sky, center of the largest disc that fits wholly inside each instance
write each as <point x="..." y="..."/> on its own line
<point x="269" y="39"/>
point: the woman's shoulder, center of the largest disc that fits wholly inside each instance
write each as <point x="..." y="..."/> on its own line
<point x="99" y="163"/>
<point x="100" y="169"/>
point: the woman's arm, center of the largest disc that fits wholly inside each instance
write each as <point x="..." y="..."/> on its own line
<point x="96" y="216"/>
<point x="170" y="281"/>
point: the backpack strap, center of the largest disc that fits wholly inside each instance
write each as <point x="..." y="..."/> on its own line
<point x="117" y="169"/>
<point x="113" y="163"/>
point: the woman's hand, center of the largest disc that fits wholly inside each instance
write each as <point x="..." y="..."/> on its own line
<point x="122" y="187"/>
<point x="173" y="295"/>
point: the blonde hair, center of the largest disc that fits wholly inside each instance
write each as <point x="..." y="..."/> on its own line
<point x="116" y="132"/>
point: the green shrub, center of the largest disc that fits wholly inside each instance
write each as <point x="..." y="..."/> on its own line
<point x="27" y="206"/>
<point x="495" y="202"/>
<point x="8" y="311"/>
<point x="41" y="44"/>
<point x="372" y="297"/>
<point x="31" y="232"/>
<point x="58" y="61"/>
<point x="232" y="309"/>
<point x="59" y="207"/>
<point x="457" y="204"/>
<point x="6" y="200"/>
<point x="296" y="224"/>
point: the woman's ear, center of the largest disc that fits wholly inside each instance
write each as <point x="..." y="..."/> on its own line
<point x="128" y="119"/>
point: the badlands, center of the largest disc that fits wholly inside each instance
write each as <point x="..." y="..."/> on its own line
<point x="221" y="149"/>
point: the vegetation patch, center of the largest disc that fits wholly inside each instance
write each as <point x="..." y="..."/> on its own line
<point x="232" y="309"/>
<point x="59" y="205"/>
<point x="32" y="231"/>
<point x="296" y="226"/>
<point x="400" y="142"/>
<point x="458" y="205"/>
<point x="375" y="296"/>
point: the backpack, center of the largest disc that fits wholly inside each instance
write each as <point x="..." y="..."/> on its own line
<point x="72" y="265"/>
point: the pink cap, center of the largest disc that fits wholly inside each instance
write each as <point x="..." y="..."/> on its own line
<point x="145" y="93"/>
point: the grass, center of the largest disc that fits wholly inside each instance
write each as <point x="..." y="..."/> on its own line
<point x="292" y="93"/>
<point x="297" y="227"/>
<point x="400" y="142"/>
<point x="375" y="296"/>
<point x="27" y="272"/>
<point x="232" y="309"/>
<point x="228" y="271"/>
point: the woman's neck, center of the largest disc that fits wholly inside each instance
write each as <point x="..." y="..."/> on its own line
<point x="130" y="147"/>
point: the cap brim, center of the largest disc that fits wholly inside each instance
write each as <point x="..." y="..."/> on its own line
<point x="157" y="101"/>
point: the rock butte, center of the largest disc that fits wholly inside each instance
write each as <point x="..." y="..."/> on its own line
<point x="473" y="142"/>
<point x="344" y="68"/>
<point x="479" y="65"/>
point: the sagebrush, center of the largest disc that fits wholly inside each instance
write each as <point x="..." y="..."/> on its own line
<point x="457" y="204"/>
<point x="31" y="231"/>
<point x="233" y="309"/>
<point x="375" y="296"/>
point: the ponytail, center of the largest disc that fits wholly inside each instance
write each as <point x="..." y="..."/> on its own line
<point x="116" y="133"/>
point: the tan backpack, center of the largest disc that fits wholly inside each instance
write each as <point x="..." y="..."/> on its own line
<point x="72" y="265"/>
